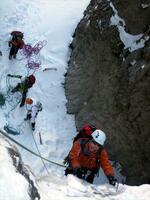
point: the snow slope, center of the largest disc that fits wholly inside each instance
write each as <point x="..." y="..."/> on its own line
<point x="55" y="22"/>
<point x="8" y="174"/>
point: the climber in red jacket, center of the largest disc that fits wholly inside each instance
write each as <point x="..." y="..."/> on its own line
<point x="15" y="43"/>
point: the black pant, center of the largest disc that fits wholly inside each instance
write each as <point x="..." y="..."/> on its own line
<point x="28" y="116"/>
<point x="14" y="50"/>
<point x="24" y="95"/>
<point x="85" y="174"/>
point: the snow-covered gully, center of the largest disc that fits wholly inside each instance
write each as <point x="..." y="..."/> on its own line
<point x="53" y="21"/>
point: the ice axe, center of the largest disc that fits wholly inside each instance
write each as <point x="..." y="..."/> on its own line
<point x="117" y="186"/>
<point x="40" y="138"/>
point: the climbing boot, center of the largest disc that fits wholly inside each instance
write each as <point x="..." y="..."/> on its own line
<point x="10" y="57"/>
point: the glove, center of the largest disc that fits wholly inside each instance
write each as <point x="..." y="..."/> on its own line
<point x="112" y="180"/>
<point x="33" y="126"/>
<point x="66" y="160"/>
<point x="77" y="172"/>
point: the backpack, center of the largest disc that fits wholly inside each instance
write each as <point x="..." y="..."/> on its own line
<point x="85" y="132"/>
<point x="16" y="34"/>
<point x="31" y="79"/>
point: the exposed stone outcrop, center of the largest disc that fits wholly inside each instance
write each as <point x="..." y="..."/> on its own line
<point x="20" y="167"/>
<point x="136" y="17"/>
<point x="13" y="155"/>
<point x="108" y="86"/>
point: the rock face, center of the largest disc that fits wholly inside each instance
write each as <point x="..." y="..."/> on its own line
<point x="109" y="87"/>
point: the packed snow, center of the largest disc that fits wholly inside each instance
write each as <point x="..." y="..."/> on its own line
<point x="53" y="21"/>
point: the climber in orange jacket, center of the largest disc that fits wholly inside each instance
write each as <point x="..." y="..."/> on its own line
<point x="87" y="156"/>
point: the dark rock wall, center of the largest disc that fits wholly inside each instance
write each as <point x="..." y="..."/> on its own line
<point x="136" y="18"/>
<point x="108" y="86"/>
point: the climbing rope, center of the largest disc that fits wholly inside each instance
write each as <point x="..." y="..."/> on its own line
<point x="11" y="130"/>
<point x="29" y="51"/>
<point x="50" y="161"/>
<point x="11" y="98"/>
<point x="33" y="64"/>
<point x="14" y="131"/>
<point x="40" y="153"/>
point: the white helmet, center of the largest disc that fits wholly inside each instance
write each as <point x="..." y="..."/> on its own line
<point x="99" y="136"/>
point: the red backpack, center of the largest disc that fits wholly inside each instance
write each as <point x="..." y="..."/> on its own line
<point x="31" y="80"/>
<point x="85" y="132"/>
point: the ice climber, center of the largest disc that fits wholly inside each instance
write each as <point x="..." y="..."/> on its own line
<point x="87" y="156"/>
<point x="23" y="87"/>
<point x="15" y="43"/>
<point x="33" y="107"/>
